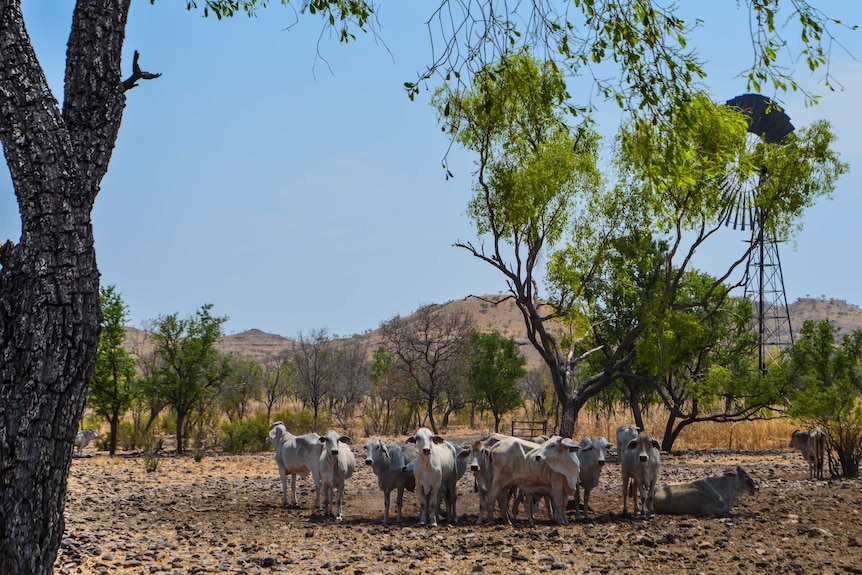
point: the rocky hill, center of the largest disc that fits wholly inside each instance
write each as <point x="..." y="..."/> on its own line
<point x="492" y="312"/>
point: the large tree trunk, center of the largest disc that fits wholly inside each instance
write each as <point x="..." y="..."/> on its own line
<point x="569" y="417"/>
<point x="49" y="285"/>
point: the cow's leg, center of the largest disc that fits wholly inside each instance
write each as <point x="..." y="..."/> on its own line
<point x="586" y="503"/>
<point x="386" y="495"/>
<point x="399" y="500"/>
<point x="434" y="505"/>
<point x="451" y="506"/>
<point x="283" y="476"/>
<point x="625" y="495"/>
<point x="338" y="499"/>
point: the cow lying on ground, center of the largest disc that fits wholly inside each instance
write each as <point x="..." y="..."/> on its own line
<point x="707" y="496"/>
<point x="812" y="444"/>
<point x="387" y="460"/>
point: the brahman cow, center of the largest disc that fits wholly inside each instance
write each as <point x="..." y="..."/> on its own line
<point x="479" y="462"/>
<point x="337" y="463"/>
<point x="812" y="444"/>
<point x="296" y="455"/>
<point x="592" y="456"/>
<point x="83" y="439"/>
<point x="640" y="460"/>
<point x="387" y="460"/>
<point x="434" y="466"/>
<point x="707" y="496"/>
<point x="626" y="433"/>
<point x="551" y="467"/>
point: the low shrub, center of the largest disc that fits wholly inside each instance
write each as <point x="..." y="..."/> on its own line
<point x="246" y="435"/>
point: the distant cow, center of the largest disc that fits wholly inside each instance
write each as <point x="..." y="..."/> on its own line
<point x="387" y="460"/>
<point x="295" y="455"/>
<point x="640" y="460"/>
<point x="707" y="496"/>
<point x="337" y="463"/>
<point x="83" y="439"/>
<point x="626" y="433"/>
<point x="551" y="467"/>
<point x="812" y="444"/>
<point x="591" y="456"/>
<point x="434" y="465"/>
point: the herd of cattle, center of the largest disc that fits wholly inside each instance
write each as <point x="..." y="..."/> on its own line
<point x="507" y="472"/>
<point x="510" y="471"/>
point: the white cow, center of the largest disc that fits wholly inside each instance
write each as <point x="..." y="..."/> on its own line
<point x="337" y="463"/>
<point x="296" y="455"/>
<point x="387" y="460"/>
<point x="479" y="462"/>
<point x="812" y="444"/>
<point x="83" y="439"/>
<point x="640" y="460"/>
<point x="626" y="433"/>
<point x="706" y="496"/>
<point x="434" y="465"/>
<point x="591" y="457"/>
<point x="551" y="468"/>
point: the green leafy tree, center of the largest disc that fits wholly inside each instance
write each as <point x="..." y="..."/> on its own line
<point x="278" y="373"/>
<point x="702" y="362"/>
<point x="497" y="365"/>
<point x="242" y="386"/>
<point x="824" y="377"/>
<point x="539" y="191"/>
<point x="190" y="365"/>
<point x="112" y="388"/>
<point x="49" y="285"/>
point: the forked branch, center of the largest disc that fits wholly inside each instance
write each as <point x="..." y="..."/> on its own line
<point x="137" y="74"/>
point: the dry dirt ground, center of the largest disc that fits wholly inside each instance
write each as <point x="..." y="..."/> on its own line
<point x="222" y="515"/>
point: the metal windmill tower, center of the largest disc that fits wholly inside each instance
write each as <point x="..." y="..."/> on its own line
<point x="764" y="282"/>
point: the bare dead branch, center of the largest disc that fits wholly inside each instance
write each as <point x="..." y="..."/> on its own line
<point x="137" y="74"/>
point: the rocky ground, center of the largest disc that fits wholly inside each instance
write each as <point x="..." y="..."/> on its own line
<point x="222" y="515"/>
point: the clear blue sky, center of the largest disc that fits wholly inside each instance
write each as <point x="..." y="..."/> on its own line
<point x="294" y="194"/>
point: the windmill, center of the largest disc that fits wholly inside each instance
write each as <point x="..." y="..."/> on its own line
<point x="764" y="281"/>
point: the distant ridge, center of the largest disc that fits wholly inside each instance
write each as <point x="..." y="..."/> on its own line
<point x="505" y="317"/>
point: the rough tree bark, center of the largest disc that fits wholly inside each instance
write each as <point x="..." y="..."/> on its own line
<point x="49" y="284"/>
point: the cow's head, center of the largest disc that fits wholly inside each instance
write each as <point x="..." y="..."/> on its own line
<point x="331" y="440"/>
<point x="375" y="449"/>
<point x="642" y="444"/>
<point x="424" y="439"/>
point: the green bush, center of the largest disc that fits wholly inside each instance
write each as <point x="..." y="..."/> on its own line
<point x="246" y="435"/>
<point x="302" y="421"/>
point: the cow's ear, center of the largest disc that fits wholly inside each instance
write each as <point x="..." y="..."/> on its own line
<point x="633" y="444"/>
<point x="729" y="472"/>
<point x="465" y="453"/>
<point x="437" y="439"/>
<point x="411" y="439"/>
<point x="345" y="439"/>
<point x="655" y="444"/>
<point x="322" y="439"/>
